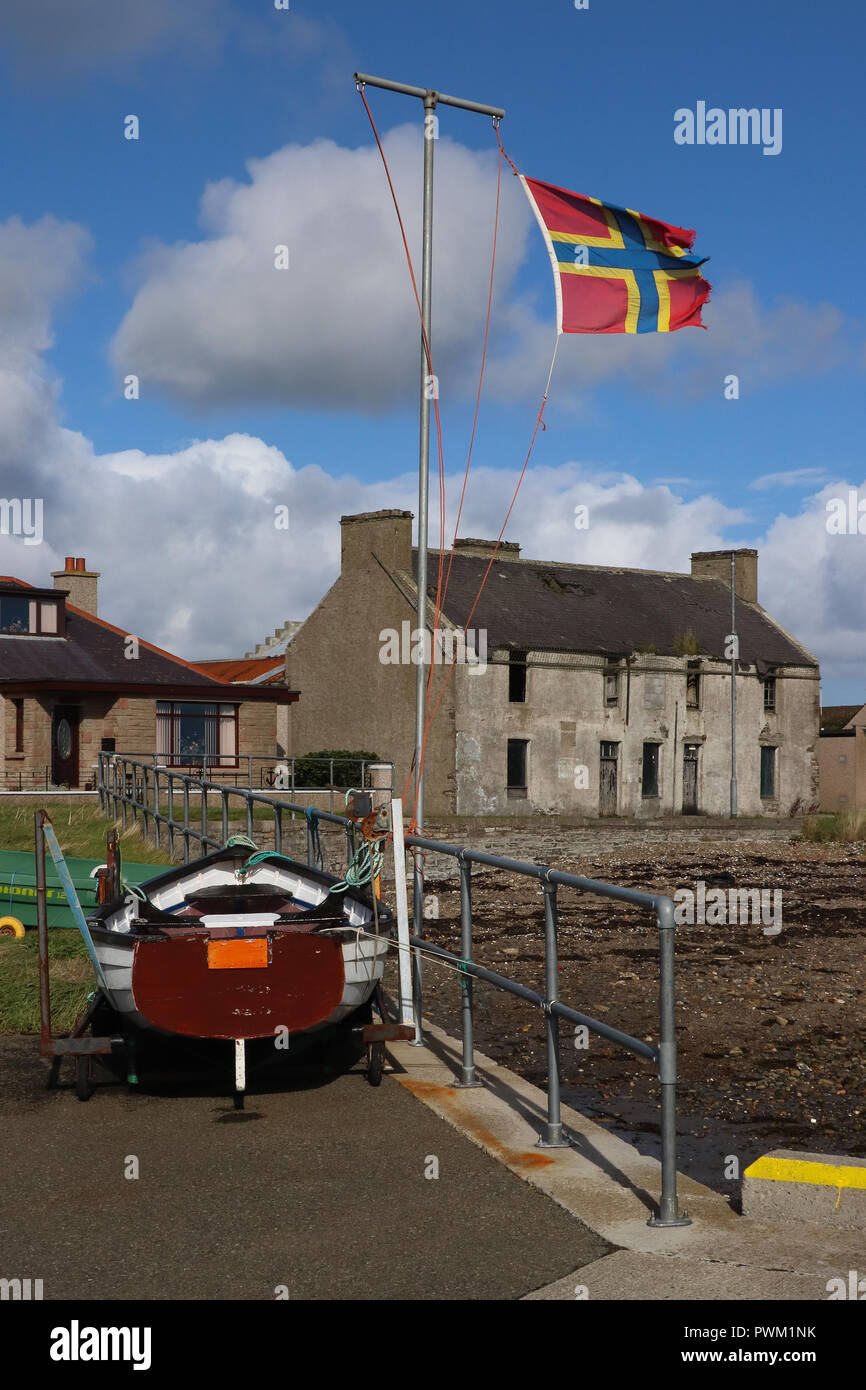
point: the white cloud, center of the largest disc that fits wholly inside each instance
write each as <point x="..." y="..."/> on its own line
<point x="191" y="559"/>
<point x="57" y="35"/>
<point x="215" y="320"/>
<point x="794" y="477"/>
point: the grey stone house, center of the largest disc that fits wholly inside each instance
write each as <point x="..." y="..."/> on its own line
<point x="577" y="689"/>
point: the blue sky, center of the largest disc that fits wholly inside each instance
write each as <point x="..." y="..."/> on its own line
<point x="590" y="97"/>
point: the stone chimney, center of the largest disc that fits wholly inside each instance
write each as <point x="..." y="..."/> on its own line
<point x="482" y="550"/>
<point x="79" y="581"/>
<point x="386" y="534"/>
<point x="716" y="564"/>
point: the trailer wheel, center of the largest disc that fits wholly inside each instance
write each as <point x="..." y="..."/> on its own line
<point x="83" y="1087"/>
<point x="10" y="926"/>
<point x="375" y="1062"/>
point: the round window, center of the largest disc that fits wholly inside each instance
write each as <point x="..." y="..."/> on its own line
<point x="64" y="738"/>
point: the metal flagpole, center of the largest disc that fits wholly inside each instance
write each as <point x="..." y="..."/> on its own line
<point x="430" y="99"/>
<point x="733" y="689"/>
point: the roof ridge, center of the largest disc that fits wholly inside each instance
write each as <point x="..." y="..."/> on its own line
<point x="605" y="569"/>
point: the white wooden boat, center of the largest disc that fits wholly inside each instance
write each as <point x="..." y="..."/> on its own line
<point x="240" y="945"/>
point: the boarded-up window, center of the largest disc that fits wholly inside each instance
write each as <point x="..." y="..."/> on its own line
<point x="567" y="735"/>
<point x="654" y="691"/>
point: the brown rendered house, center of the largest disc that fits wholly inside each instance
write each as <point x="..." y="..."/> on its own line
<point x="72" y="684"/>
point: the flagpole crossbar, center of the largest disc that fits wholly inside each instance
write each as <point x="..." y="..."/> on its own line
<point x="363" y="79"/>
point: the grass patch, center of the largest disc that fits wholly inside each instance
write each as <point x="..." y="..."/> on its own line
<point x="843" y="826"/>
<point x="71" y="979"/>
<point x="81" y="830"/>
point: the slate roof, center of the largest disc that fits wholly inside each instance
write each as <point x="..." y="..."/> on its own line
<point x="836" y="717"/>
<point x="538" y="605"/>
<point x="92" y="654"/>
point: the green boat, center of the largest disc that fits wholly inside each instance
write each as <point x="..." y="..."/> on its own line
<point x="18" y="886"/>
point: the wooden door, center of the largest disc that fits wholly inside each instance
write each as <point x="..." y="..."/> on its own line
<point x="607" y="790"/>
<point x="64" y="745"/>
<point x="690" y="779"/>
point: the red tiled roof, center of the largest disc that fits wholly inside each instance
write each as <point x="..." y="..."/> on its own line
<point x="247" y="669"/>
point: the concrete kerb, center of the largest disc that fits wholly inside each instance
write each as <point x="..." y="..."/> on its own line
<point x="610" y="1187"/>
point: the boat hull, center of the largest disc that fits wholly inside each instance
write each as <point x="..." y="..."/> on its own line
<point x="220" y="948"/>
<point x="310" y="981"/>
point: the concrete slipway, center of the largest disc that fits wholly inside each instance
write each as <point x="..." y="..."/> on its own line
<point x="611" y="1188"/>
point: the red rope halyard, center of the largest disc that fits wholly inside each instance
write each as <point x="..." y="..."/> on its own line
<point x="441" y="588"/>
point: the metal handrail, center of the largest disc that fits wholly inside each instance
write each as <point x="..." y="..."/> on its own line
<point x="664" y="1055"/>
<point x="230" y="764"/>
<point x="117" y="773"/>
<point x="116" y="769"/>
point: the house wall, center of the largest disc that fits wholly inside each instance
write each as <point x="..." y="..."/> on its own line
<point x="565" y="720"/>
<point x="350" y="697"/>
<point x="129" y="719"/>
<point x="842" y="772"/>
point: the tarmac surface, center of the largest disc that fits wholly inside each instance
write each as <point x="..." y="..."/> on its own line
<point x="318" y="1185"/>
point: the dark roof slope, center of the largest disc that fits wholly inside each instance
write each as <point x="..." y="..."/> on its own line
<point x="93" y="651"/>
<point x="556" y="607"/>
<point x="835" y="717"/>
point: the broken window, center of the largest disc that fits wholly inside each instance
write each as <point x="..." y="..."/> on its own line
<point x="517" y="766"/>
<point x="650" y="776"/>
<point x="517" y="677"/>
<point x="770" y="692"/>
<point x="693" y="690"/>
<point x="611" y="686"/>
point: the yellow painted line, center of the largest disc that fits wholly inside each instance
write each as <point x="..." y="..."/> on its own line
<point x="798" y="1170"/>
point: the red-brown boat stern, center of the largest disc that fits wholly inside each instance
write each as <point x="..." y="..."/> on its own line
<point x="216" y="986"/>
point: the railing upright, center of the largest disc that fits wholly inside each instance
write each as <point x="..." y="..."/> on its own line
<point x="467" y="1070"/>
<point x="669" y="1214"/>
<point x="553" y="1136"/>
<point x="185" y="820"/>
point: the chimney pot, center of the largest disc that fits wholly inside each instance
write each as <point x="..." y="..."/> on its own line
<point x="69" y="564"/>
<point x="80" y="565"/>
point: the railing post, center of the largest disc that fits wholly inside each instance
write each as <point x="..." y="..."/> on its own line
<point x="186" y="820"/>
<point x="202" y="844"/>
<point x="278" y="829"/>
<point x="250" y="817"/>
<point x="668" y="1213"/>
<point x="311" y="840"/>
<point x="467" y="1069"/>
<point x="225" y="814"/>
<point x="169" y="788"/>
<point x="156" y="805"/>
<point x="552" y="1137"/>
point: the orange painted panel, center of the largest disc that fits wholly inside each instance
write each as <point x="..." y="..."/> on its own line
<point x="237" y="954"/>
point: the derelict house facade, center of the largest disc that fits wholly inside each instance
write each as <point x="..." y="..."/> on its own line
<point x="595" y="690"/>
<point x="72" y="685"/>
